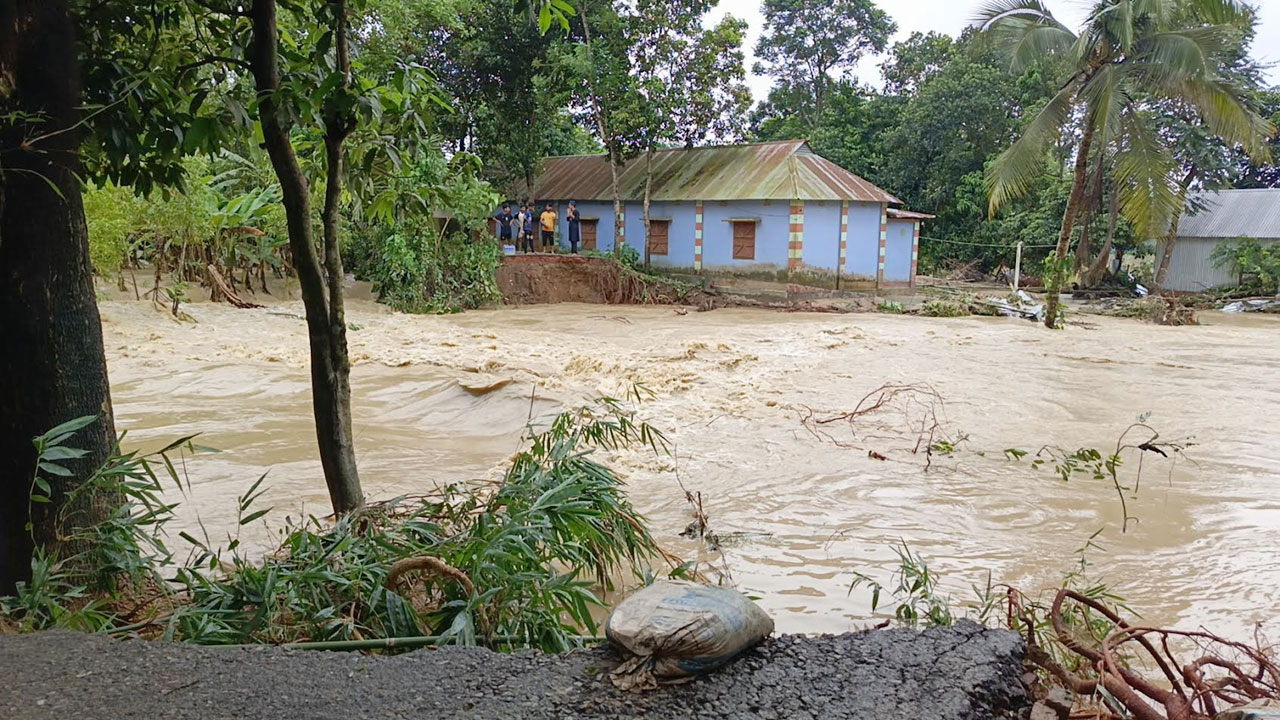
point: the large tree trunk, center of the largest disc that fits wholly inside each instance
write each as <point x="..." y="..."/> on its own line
<point x="1068" y="224"/>
<point x="648" y="185"/>
<point x="54" y="369"/>
<point x="1171" y="237"/>
<point x="321" y="287"/>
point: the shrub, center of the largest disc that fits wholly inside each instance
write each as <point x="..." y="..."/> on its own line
<point x="415" y="269"/>
<point x="1258" y="264"/>
<point x="943" y="308"/>
<point x="513" y="563"/>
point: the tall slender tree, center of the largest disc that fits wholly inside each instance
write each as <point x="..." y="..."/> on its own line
<point x="691" y="82"/>
<point x="320" y="276"/>
<point x="809" y="46"/>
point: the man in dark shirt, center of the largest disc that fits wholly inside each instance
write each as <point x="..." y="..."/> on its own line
<point x="574" y="218"/>
<point x="505" y="221"/>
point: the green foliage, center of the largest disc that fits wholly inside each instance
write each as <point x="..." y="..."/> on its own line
<point x="915" y="591"/>
<point x="892" y="307"/>
<point x="420" y="252"/>
<point x="1257" y="263"/>
<point x="936" y="307"/>
<point x="1133" y="53"/>
<point x="80" y="583"/>
<point x="807" y="45"/>
<point x="416" y="269"/>
<point x="522" y="556"/>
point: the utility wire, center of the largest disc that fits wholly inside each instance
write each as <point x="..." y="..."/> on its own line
<point x="994" y="245"/>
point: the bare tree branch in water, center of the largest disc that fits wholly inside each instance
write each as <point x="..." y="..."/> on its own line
<point x="920" y="413"/>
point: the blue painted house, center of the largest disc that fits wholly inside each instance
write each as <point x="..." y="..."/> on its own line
<point x="773" y="210"/>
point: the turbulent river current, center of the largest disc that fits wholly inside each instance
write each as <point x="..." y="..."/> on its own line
<point x="439" y="399"/>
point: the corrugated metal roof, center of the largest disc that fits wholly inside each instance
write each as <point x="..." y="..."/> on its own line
<point x="898" y="214"/>
<point x="782" y="170"/>
<point x="1233" y="214"/>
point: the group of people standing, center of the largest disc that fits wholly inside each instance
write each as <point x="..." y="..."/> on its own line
<point x="520" y="226"/>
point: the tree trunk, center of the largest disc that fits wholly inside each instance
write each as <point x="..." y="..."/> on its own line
<point x="54" y="369"/>
<point x="1094" y="274"/>
<point x="321" y="286"/>
<point x="648" y="184"/>
<point x="1166" y="254"/>
<point x="1089" y="211"/>
<point x="1054" y="285"/>
<point x="619" y="222"/>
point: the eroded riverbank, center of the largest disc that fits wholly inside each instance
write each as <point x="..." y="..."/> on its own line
<point x="440" y="399"/>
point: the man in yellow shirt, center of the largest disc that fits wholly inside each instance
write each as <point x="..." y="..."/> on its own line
<point x="548" y="219"/>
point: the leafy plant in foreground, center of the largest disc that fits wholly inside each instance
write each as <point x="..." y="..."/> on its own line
<point x="508" y="563"/>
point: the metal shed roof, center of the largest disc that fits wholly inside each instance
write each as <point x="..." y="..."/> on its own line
<point x="1233" y="214"/>
<point x="782" y="170"/>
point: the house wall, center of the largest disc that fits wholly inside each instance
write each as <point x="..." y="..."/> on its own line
<point x="863" y="242"/>
<point x="773" y="230"/>
<point x="899" y="241"/>
<point x="679" y="236"/>
<point x="821" y="239"/>
<point x="822" y="235"/>
<point x="1191" y="267"/>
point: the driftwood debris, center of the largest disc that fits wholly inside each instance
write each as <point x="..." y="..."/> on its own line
<point x="221" y="290"/>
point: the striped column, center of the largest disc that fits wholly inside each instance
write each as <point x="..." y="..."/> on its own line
<point x="795" y="247"/>
<point x="697" y="236"/>
<point x="915" y="251"/>
<point x="884" y="242"/>
<point x="844" y="236"/>
<point x="622" y="228"/>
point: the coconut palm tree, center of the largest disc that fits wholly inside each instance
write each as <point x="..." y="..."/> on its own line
<point x="1128" y="56"/>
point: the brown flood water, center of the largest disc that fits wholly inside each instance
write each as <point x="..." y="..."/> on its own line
<point x="440" y="399"/>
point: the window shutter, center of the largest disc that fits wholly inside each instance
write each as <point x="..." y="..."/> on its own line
<point x="744" y="240"/>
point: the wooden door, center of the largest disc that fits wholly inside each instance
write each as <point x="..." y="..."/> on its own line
<point x="744" y="240"/>
<point x="587" y="228"/>
<point x="659" y="232"/>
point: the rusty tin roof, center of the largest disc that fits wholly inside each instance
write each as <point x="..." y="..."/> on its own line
<point x="781" y="170"/>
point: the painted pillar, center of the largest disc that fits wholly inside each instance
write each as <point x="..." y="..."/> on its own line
<point x="621" y="225"/>
<point x="795" y="246"/>
<point x="697" y="236"/>
<point x="915" y="250"/>
<point x="884" y="242"/>
<point x="844" y="236"/>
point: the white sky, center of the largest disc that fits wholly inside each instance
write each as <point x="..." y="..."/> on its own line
<point x="951" y="17"/>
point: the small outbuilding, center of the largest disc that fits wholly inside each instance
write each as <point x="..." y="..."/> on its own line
<point x="1216" y="218"/>
<point x="773" y="210"/>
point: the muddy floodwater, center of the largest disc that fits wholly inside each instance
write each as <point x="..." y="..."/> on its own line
<point x="445" y="398"/>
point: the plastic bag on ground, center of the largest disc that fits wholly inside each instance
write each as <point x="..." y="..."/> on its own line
<point x="675" y="630"/>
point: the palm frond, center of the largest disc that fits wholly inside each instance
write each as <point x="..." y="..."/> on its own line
<point x="1169" y="58"/>
<point x="1105" y="96"/>
<point x="1218" y="12"/>
<point x="1144" y="167"/>
<point x="1015" y="170"/>
<point x="1038" y="42"/>
<point x="994" y="12"/>
<point x="1221" y="105"/>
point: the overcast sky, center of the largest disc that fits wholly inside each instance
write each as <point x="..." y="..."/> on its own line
<point x="951" y="17"/>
